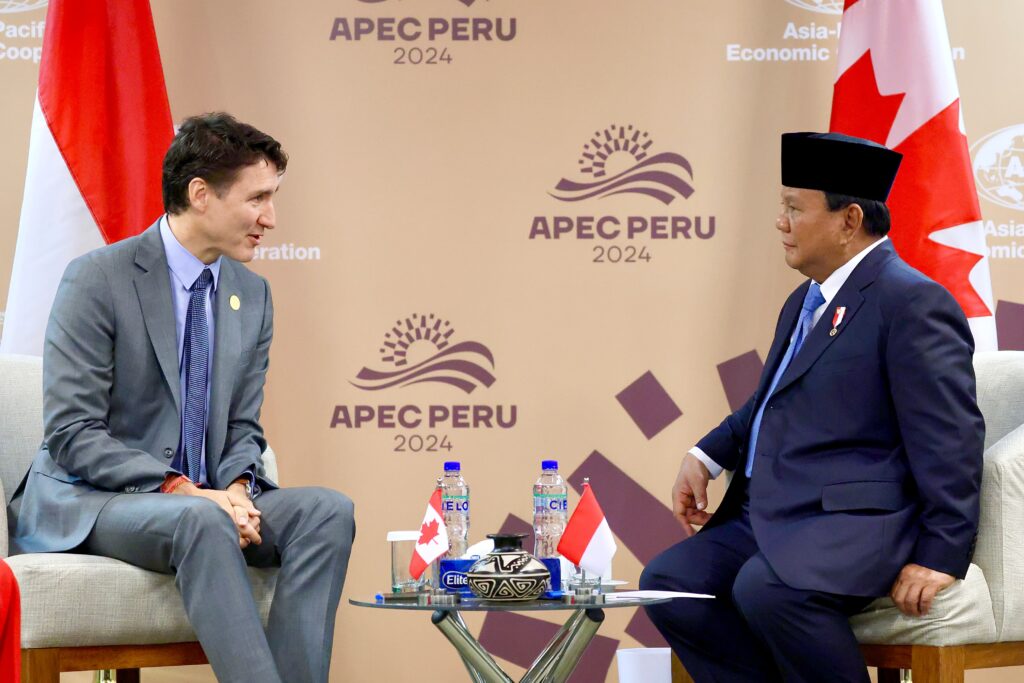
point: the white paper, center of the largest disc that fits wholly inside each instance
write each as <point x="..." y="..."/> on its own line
<point x="632" y="595"/>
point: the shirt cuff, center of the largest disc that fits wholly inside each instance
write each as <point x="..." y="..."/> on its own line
<point x="714" y="469"/>
<point x="250" y="476"/>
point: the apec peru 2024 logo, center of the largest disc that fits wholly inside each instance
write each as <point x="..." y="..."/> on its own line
<point x="423" y="349"/>
<point x="422" y="40"/>
<point x="616" y="164"/>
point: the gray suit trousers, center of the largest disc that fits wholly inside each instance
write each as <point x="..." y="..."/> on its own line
<point x="307" y="531"/>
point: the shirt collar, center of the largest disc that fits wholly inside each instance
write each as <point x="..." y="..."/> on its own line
<point x="183" y="263"/>
<point x="834" y="282"/>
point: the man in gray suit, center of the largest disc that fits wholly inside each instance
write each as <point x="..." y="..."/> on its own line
<point x="154" y="364"/>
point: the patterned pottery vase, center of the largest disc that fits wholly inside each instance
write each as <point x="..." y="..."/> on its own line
<point x="508" y="572"/>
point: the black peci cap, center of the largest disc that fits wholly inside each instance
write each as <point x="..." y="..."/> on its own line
<point x="833" y="162"/>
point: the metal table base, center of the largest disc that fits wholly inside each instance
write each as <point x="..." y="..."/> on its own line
<point x="554" y="664"/>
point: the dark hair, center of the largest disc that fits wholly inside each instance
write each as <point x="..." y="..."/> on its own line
<point x="876" y="213"/>
<point x="214" y="147"/>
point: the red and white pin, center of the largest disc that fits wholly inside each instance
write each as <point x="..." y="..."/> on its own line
<point x="836" y="319"/>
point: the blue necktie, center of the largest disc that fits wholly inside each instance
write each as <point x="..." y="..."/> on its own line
<point x="196" y="360"/>
<point x="812" y="300"/>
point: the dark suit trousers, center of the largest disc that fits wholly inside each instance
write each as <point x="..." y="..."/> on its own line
<point x="757" y="628"/>
<point x="307" y="531"/>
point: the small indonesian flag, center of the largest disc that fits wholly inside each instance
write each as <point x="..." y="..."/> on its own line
<point x="587" y="540"/>
<point x="433" y="540"/>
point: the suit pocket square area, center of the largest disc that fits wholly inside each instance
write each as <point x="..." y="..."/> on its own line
<point x="864" y="495"/>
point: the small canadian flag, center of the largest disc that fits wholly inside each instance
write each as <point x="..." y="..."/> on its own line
<point x="433" y="540"/>
<point x="587" y="540"/>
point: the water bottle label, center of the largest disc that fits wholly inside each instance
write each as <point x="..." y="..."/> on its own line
<point x="455" y="504"/>
<point x="555" y="502"/>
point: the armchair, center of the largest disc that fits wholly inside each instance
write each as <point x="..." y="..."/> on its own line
<point x="81" y="612"/>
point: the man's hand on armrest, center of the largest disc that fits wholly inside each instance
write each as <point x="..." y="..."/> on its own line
<point x="234" y="502"/>
<point x="690" y="494"/>
<point x="916" y="587"/>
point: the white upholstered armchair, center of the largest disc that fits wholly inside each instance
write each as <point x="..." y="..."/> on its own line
<point x="81" y="612"/>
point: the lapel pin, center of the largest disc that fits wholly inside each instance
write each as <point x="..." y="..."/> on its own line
<point x="836" y="319"/>
<point x="235" y="302"/>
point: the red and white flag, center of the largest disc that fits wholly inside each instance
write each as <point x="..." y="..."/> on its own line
<point x="587" y="540"/>
<point x="100" y="128"/>
<point x="897" y="86"/>
<point x="433" y="540"/>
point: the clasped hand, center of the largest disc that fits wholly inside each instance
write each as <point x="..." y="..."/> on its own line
<point x="237" y="505"/>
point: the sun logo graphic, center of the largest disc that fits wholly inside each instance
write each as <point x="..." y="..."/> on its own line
<point x="999" y="167"/>
<point x="11" y="6"/>
<point x="823" y="6"/>
<point x="620" y="162"/>
<point x="419" y="350"/>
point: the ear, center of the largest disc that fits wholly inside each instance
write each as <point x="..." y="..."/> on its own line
<point x="853" y="221"/>
<point x="199" y="194"/>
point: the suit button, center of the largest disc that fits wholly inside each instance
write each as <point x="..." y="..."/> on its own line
<point x="168" y="452"/>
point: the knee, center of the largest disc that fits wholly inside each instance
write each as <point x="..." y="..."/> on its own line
<point x="203" y="518"/>
<point x="652" y="580"/>
<point x="758" y="594"/>
<point x="335" y="512"/>
<point x="665" y="571"/>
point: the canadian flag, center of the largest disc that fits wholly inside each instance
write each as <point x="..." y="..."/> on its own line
<point x="897" y="86"/>
<point x="433" y="540"/>
<point x="100" y="128"/>
<point x="587" y="540"/>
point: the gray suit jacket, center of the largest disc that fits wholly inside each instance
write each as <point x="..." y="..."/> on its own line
<point x="111" y="394"/>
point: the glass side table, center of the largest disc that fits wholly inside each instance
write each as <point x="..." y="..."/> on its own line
<point x="555" y="663"/>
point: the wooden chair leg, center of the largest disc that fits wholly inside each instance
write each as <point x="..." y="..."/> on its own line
<point x="41" y="665"/>
<point x="679" y="674"/>
<point x="937" y="664"/>
<point x="886" y="675"/>
<point x="128" y="676"/>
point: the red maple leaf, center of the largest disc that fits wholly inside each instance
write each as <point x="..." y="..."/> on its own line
<point x="934" y="188"/>
<point x="428" y="532"/>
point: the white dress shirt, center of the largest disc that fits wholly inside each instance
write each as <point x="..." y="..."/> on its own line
<point x="829" y="288"/>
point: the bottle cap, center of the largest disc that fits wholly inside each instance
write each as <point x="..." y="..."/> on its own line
<point x="549" y="464"/>
<point x="452" y="466"/>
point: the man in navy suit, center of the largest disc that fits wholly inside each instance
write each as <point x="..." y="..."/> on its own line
<point x="857" y="462"/>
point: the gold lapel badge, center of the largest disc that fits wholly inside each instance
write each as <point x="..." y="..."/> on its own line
<point x="235" y="302"/>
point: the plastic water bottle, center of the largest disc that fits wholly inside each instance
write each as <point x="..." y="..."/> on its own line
<point x="550" y="510"/>
<point x="455" y="508"/>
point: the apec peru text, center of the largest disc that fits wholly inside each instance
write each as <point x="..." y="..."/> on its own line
<point x="630" y="227"/>
<point x="413" y="416"/>
<point x="472" y="29"/>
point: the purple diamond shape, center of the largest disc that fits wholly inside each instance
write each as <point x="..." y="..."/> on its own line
<point x="650" y="406"/>
<point x="739" y="377"/>
<point x="1010" y="326"/>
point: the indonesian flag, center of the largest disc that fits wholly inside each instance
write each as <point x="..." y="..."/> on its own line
<point x="433" y="540"/>
<point x="587" y="540"/>
<point x="100" y="128"/>
<point x="897" y="86"/>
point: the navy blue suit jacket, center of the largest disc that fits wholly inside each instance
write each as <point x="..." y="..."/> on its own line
<point x="869" y="454"/>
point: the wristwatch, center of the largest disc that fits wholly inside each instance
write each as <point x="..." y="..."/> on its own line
<point x="248" y="486"/>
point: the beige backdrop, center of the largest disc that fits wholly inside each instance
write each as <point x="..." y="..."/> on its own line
<point x="413" y="189"/>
